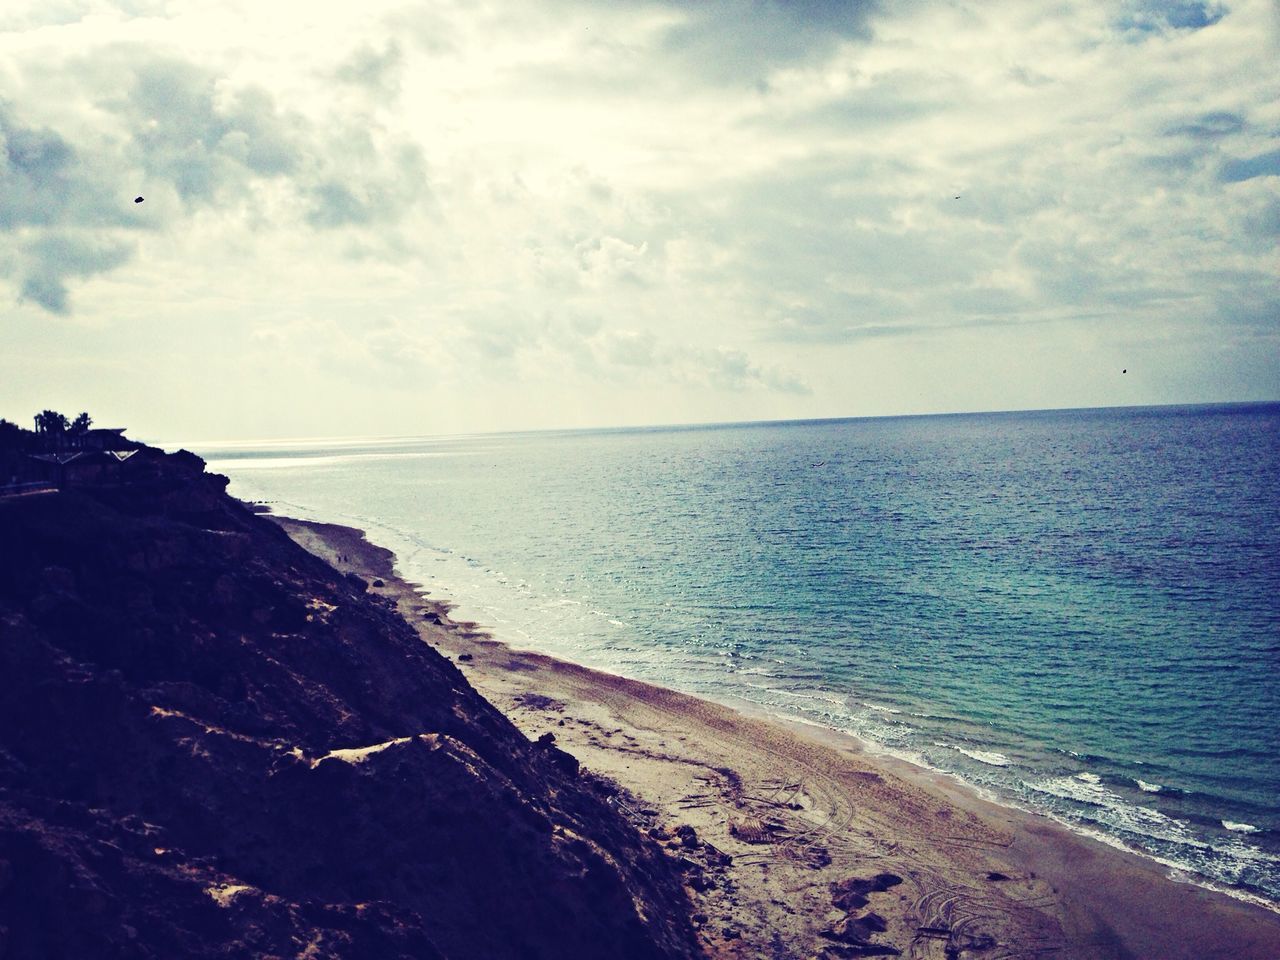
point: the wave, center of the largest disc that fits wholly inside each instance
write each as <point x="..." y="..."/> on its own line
<point x="1148" y="787"/>
<point x="1240" y="827"/>
<point x="989" y="757"/>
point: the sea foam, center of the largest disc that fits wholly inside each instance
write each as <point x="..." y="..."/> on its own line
<point x="989" y="757"/>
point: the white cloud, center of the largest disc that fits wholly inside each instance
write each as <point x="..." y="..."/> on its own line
<point x="593" y="212"/>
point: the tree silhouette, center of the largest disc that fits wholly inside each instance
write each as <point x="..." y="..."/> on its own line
<point x="81" y="423"/>
<point x="12" y="436"/>
<point x="51" y="422"/>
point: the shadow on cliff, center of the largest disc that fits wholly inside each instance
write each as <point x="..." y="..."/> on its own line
<point x="212" y="744"/>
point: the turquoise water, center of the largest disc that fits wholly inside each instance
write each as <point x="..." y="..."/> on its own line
<point x="1077" y="611"/>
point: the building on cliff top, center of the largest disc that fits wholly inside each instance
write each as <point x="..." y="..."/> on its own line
<point x="80" y="467"/>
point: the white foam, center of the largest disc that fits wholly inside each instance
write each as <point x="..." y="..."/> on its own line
<point x="1114" y="811"/>
<point x="1240" y="827"/>
<point x="1148" y="787"/>
<point x="879" y="707"/>
<point x="1069" y="788"/>
<point x="1089" y="777"/>
<point x="791" y="717"/>
<point x="809" y="695"/>
<point x="989" y="757"/>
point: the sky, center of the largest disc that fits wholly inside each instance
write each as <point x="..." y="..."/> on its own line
<point x="413" y="218"/>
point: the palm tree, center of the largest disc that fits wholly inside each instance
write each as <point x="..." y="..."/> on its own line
<point x="52" y="422"/>
<point x="81" y="423"/>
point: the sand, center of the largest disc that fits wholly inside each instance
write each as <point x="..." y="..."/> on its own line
<point x="797" y="842"/>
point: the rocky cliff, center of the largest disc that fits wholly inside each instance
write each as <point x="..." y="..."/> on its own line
<point x="214" y="745"/>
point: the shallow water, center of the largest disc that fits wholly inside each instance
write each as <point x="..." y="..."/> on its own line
<point x="1077" y="610"/>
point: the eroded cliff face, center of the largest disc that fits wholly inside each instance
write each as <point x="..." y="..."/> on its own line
<point x="212" y="744"/>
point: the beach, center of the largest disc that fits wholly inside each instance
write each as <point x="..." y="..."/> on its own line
<point x="795" y="841"/>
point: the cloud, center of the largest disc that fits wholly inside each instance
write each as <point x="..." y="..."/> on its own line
<point x="734" y="370"/>
<point x="630" y="348"/>
<point x="652" y="209"/>
<point x="742" y="41"/>
<point x="46" y="182"/>
<point x="124" y="118"/>
<point x="204" y="140"/>
<point x="1209" y="126"/>
<point x="1149" y="16"/>
<point x="378" y="185"/>
<point x="53" y="258"/>
<point x="376" y="71"/>
<point x="1247" y="168"/>
<point x="57" y="215"/>
<point x="627" y="353"/>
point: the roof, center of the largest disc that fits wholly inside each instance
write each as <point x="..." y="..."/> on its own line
<point x="62" y="459"/>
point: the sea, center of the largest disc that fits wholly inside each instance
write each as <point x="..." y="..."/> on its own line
<point x="1076" y="612"/>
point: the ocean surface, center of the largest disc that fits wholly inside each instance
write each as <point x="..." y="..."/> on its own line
<point x="1077" y="612"/>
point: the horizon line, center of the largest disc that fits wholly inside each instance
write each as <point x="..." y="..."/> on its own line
<point x="678" y="425"/>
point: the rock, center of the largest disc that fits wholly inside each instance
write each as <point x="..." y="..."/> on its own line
<point x="378" y="583"/>
<point x="714" y="856"/>
<point x="566" y="762"/>
<point x="857" y="930"/>
<point x="687" y="836"/>
<point x="465" y="657"/>
<point x="850" y="951"/>
<point x="851" y="894"/>
<point x="996" y="877"/>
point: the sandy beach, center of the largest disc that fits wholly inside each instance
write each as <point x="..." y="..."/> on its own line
<point x="796" y="842"/>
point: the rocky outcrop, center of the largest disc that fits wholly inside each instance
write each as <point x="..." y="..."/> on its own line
<point x="213" y="744"/>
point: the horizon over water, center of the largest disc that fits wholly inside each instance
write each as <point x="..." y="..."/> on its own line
<point x="1075" y="611"/>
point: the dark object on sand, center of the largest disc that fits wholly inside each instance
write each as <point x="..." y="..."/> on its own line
<point x="1125" y="370"/>
<point x="687" y="836"/>
<point x="852" y="894"/>
<point x="137" y="199"/>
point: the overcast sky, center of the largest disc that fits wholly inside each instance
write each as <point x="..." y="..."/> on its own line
<point x="415" y="218"/>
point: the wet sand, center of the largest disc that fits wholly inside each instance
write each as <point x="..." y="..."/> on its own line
<point x="796" y="842"/>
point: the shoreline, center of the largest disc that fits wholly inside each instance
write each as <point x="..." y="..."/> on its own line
<point x="778" y="816"/>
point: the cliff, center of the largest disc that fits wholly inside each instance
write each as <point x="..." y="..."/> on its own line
<point x="212" y="744"/>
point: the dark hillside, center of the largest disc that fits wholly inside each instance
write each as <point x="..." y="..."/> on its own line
<point x="214" y="745"/>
